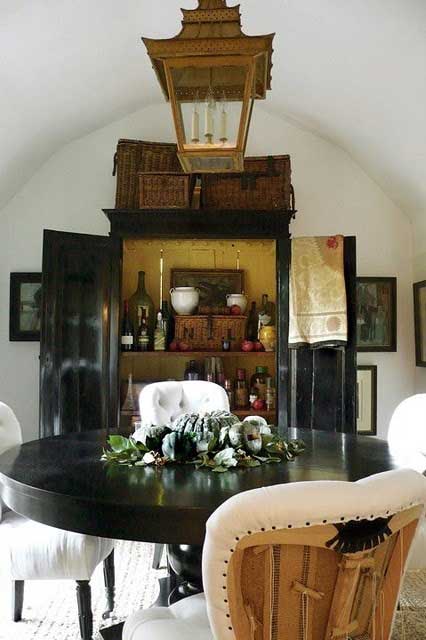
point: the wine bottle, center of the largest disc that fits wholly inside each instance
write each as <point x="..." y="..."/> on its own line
<point x="252" y="323"/>
<point x="168" y="322"/>
<point x="159" y="334"/>
<point x="143" y="332"/>
<point x="141" y="300"/>
<point x="267" y="312"/>
<point x="127" y="333"/>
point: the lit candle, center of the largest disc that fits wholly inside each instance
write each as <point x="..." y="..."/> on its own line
<point x="238" y="259"/>
<point x="195" y="137"/>
<point x="223" y="125"/>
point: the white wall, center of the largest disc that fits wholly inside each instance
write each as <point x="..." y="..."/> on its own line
<point x="333" y="196"/>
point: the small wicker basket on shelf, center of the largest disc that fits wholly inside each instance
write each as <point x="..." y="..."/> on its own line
<point x="205" y="333"/>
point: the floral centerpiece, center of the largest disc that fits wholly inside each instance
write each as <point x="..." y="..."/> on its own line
<point x="217" y="440"/>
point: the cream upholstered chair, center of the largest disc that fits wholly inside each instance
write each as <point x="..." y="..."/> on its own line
<point x="407" y="442"/>
<point x="307" y="560"/>
<point x="162" y="402"/>
<point x="33" y="551"/>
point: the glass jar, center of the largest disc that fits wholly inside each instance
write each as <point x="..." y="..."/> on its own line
<point x="259" y="380"/>
<point x="241" y="398"/>
<point x="229" y="392"/>
<point x="192" y="372"/>
<point x="271" y="402"/>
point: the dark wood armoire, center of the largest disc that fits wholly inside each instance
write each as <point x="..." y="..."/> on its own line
<point x="85" y="279"/>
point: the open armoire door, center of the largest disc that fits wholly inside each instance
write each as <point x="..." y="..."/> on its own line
<point x="323" y="380"/>
<point x="75" y="333"/>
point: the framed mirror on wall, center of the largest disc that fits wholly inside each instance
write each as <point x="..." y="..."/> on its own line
<point x="367" y="400"/>
<point x="25" y="307"/>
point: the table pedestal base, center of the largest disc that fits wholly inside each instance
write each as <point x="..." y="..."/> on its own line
<point x="184" y="580"/>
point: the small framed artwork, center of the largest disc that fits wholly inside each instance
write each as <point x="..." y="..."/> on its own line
<point x="214" y="284"/>
<point x="25" y="307"/>
<point x="366" y="414"/>
<point x="376" y="314"/>
<point x="419" y="290"/>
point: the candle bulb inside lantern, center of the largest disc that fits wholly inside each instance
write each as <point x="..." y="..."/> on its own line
<point x="208" y="118"/>
<point x="195" y="135"/>
<point x="223" y="125"/>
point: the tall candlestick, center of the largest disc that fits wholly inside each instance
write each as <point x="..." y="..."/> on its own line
<point x="161" y="276"/>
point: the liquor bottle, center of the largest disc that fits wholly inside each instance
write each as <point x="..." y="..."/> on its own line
<point x="127" y="333"/>
<point x="143" y="340"/>
<point x="159" y="334"/>
<point x="259" y="381"/>
<point x="266" y="312"/>
<point x="141" y="300"/>
<point x="192" y="372"/>
<point x="229" y="392"/>
<point x="168" y="322"/>
<point x="241" y="390"/>
<point x="252" y="323"/>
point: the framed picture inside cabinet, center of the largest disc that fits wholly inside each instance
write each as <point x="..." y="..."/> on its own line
<point x="366" y="413"/>
<point x="25" y="307"/>
<point x="419" y="289"/>
<point x="213" y="284"/>
<point x="376" y="314"/>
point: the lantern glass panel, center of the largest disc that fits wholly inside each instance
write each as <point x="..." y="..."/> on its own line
<point x="208" y="103"/>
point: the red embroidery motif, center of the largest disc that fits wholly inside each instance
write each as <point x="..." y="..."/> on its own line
<point x="332" y="242"/>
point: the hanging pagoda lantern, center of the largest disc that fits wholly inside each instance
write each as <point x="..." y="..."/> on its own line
<point x="211" y="73"/>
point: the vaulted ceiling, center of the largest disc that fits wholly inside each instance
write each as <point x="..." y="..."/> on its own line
<point x="353" y="71"/>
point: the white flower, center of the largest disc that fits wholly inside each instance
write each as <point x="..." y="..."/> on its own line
<point x="148" y="458"/>
<point x="225" y="458"/>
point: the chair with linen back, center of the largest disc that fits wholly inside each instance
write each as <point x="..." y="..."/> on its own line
<point x="407" y="442"/>
<point x="33" y="551"/>
<point x="299" y="561"/>
<point x="162" y="402"/>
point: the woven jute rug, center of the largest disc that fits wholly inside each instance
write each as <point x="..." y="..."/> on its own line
<point x="50" y="607"/>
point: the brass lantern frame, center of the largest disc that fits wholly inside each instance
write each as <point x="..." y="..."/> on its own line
<point x="187" y="152"/>
<point x="212" y="36"/>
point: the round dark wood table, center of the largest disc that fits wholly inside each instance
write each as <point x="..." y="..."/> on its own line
<point x="62" y="482"/>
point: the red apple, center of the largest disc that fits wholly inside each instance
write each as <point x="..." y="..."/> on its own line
<point x="258" y="404"/>
<point x="247" y="345"/>
<point x="258" y="346"/>
<point x="235" y="310"/>
<point x="174" y="345"/>
<point x="184" y="346"/>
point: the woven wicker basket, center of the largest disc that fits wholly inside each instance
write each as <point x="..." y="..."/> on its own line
<point x="205" y="333"/>
<point x="133" y="156"/>
<point x="165" y="190"/>
<point x="265" y="184"/>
